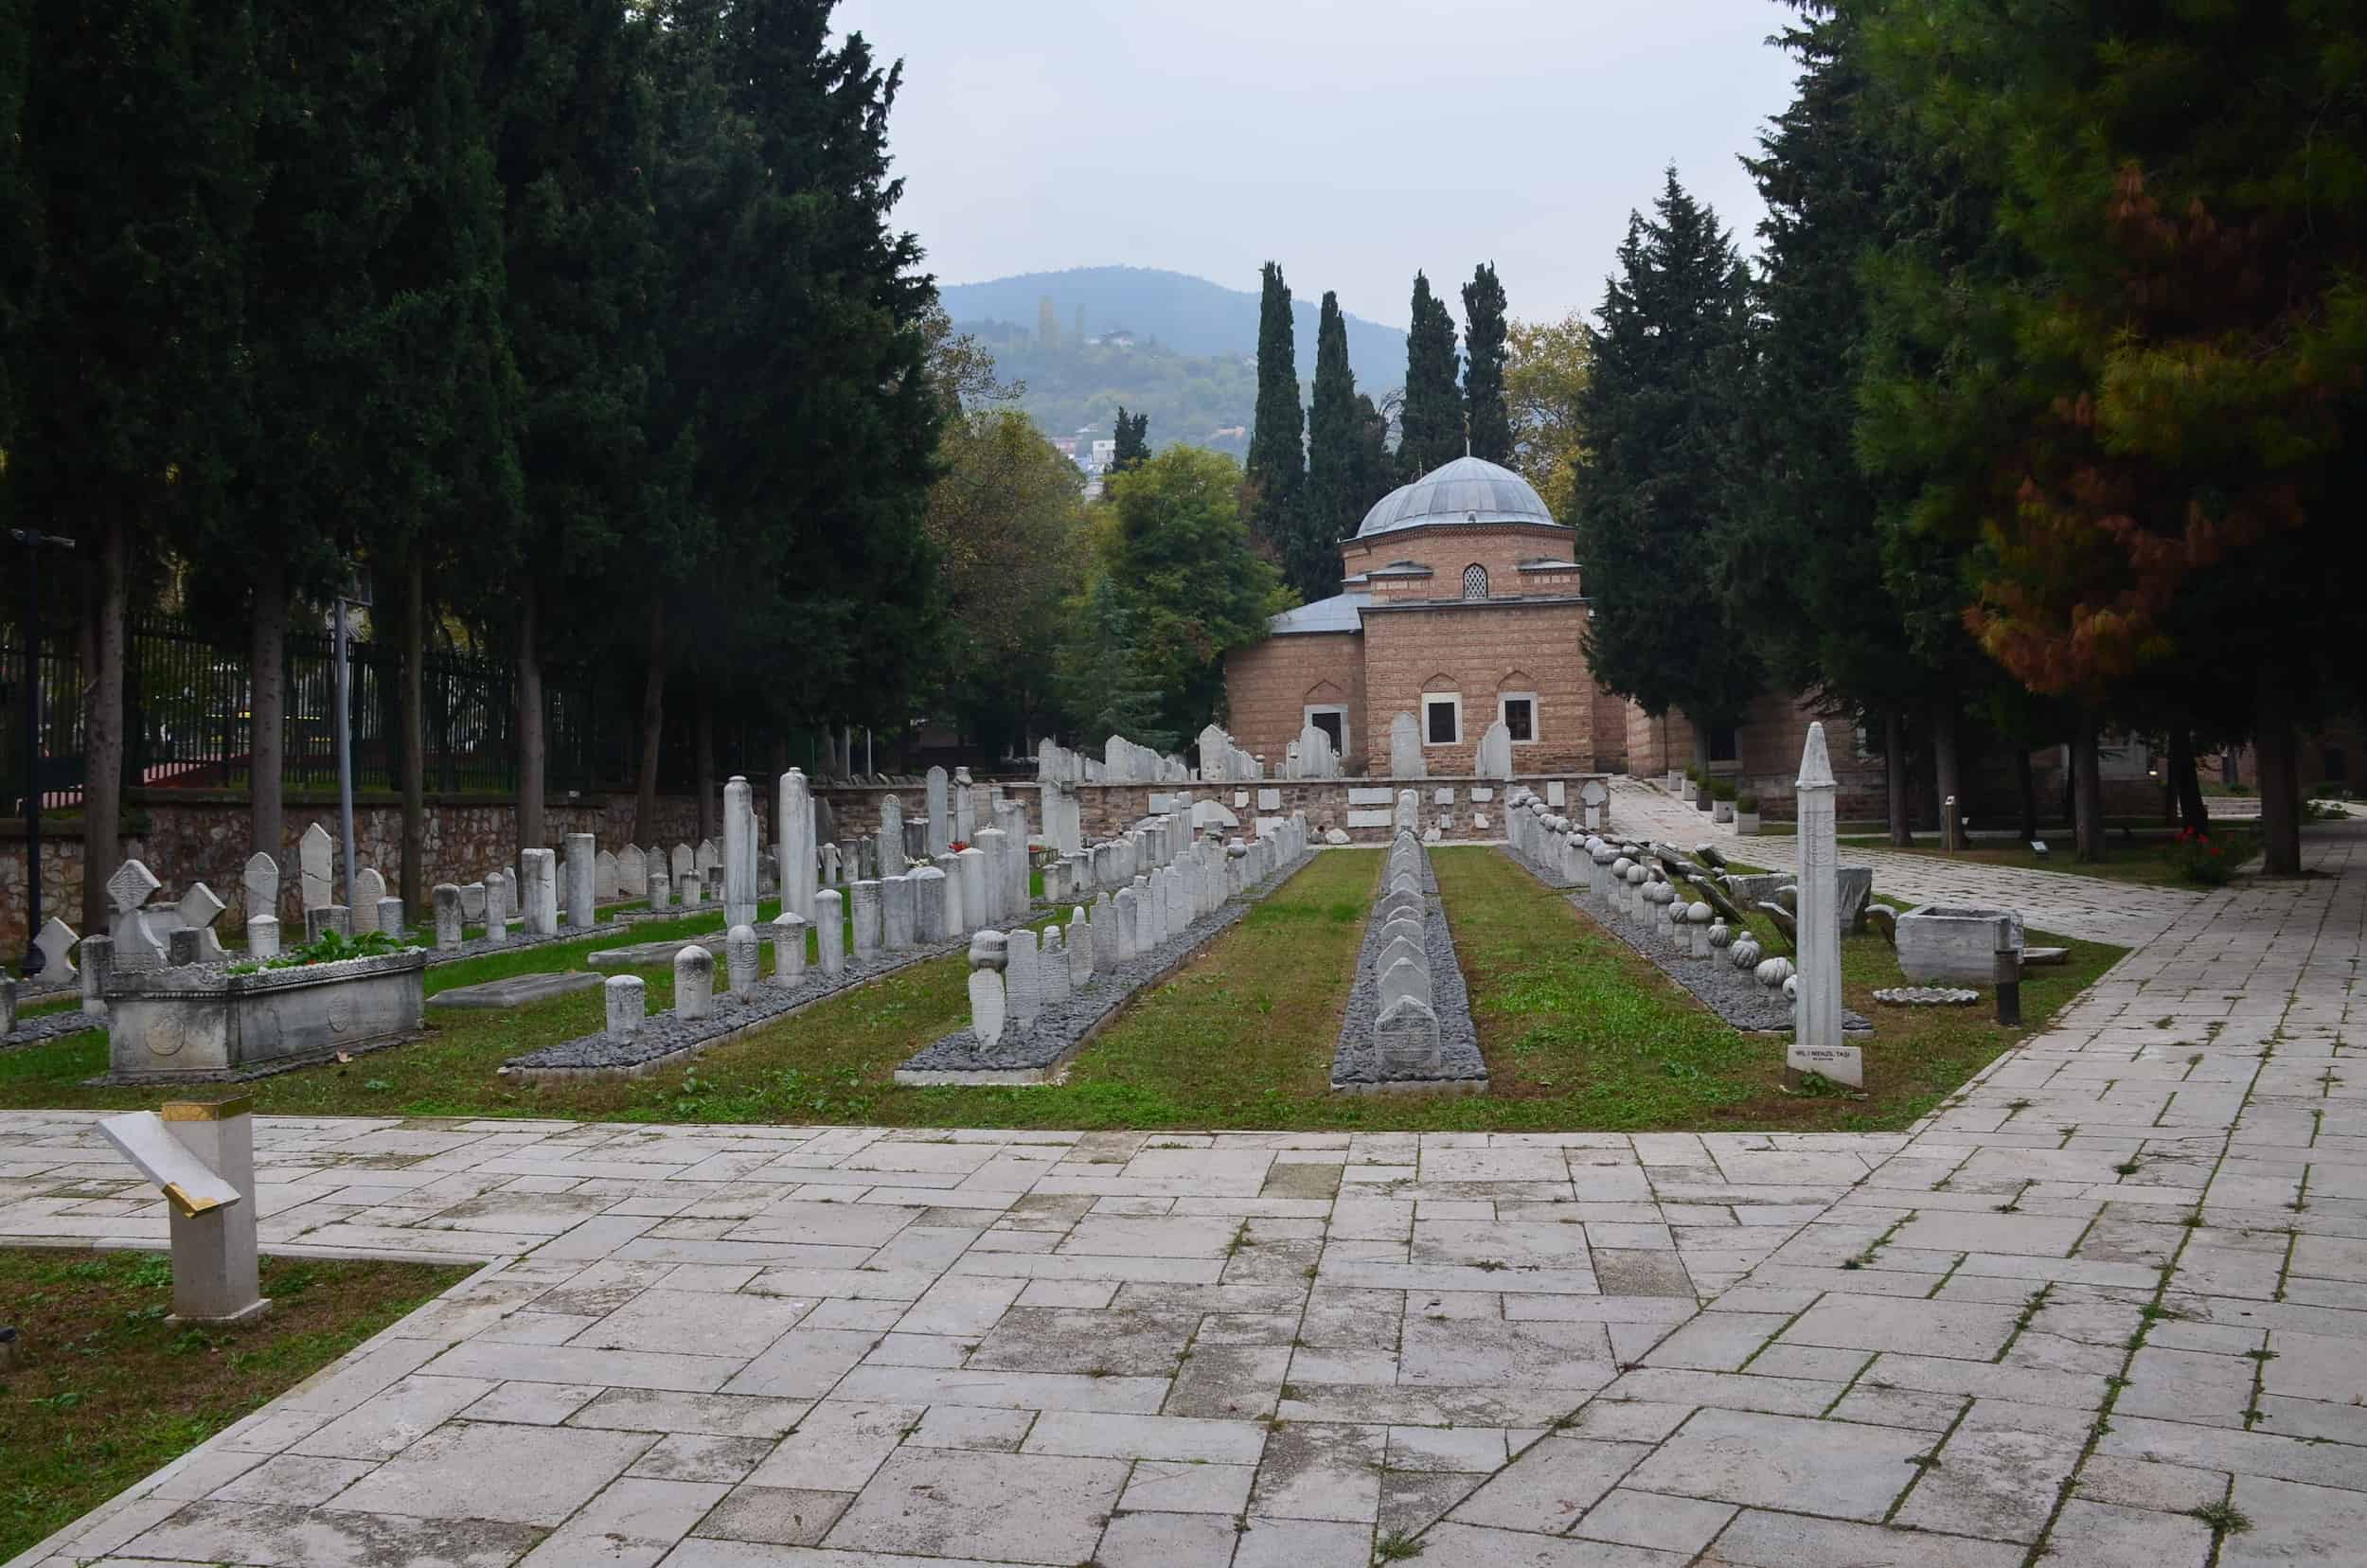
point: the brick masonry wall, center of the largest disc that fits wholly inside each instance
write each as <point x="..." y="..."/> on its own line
<point x="1269" y="686"/>
<point x="1480" y="652"/>
<point x="1447" y="551"/>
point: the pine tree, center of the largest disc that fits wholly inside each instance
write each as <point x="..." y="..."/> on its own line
<point x="1374" y="471"/>
<point x="1658" y="414"/>
<point x="1278" y="450"/>
<point x="1134" y="443"/>
<point x="1431" y="427"/>
<point x="1486" y="416"/>
<point x="1334" y="496"/>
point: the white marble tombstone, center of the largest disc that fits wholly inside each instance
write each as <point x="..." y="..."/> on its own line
<point x="369" y="885"/>
<point x="316" y="863"/>
<point x="1817" y="1044"/>
<point x="259" y="885"/>
<point x="793" y="845"/>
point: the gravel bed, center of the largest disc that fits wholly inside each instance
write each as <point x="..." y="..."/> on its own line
<point x="1036" y="1053"/>
<point x="32" y="1031"/>
<point x="666" y="1037"/>
<point x="1354" y="1069"/>
<point x="1735" y="996"/>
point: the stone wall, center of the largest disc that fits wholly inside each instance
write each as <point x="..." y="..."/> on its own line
<point x="185" y="837"/>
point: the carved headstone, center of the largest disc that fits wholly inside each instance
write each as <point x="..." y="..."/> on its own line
<point x="259" y="885"/>
<point x="56" y="943"/>
<point x="1405" y="748"/>
<point x="317" y="861"/>
<point x="368" y="887"/>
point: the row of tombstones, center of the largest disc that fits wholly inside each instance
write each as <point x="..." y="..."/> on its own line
<point x="1406" y="1043"/>
<point x="1016" y="975"/>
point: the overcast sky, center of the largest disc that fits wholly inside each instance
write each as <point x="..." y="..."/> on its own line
<point x="1351" y="140"/>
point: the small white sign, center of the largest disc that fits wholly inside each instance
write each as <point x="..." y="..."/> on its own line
<point x="1841" y="1064"/>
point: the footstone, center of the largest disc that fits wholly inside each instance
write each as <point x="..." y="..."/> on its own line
<point x="896" y="914"/>
<point x="263" y="937"/>
<point x="740" y="960"/>
<point x="328" y="918"/>
<point x="830" y="932"/>
<point x="317" y="861"/>
<point x="866" y="905"/>
<point x="628" y="998"/>
<point x="516" y="991"/>
<point x="473" y="901"/>
<point x="975" y="896"/>
<point x="538" y="895"/>
<point x="580" y="852"/>
<point x="1022" y="984"/>
<point x="500" y="902"/>
<point x="661" y="887"/>
<point x="789" y="950"/>
<point x="447" y="903"/>
<point x="180" y="946"/>
<point x="928" y="900"/>
<point x="694" y="983"/>
<point x="259" y="885"/>
<point x="390" y="914"/>
<point x="367" y="889"/>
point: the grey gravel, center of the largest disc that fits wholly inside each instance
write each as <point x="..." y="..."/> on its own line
<point x="32" y="1031"/>
<point x="1352" y="1059"/>
<point x="1735" y="996"/>
<point x="665" y="1034"/>
<point x="1035" y="1054"/>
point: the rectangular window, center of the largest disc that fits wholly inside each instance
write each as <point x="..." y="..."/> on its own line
<point x="1442" y="719"/>
<point x="1519" y="709"/>
<point x="1723" y="745"/>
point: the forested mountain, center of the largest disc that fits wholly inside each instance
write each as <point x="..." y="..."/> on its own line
<point x="1189" y="315"/>
<point x="1199" y="399"/>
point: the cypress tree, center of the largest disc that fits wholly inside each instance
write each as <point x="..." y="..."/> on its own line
<point x="1134" y="441"/>
<point x="1659" y="413"/>
<point x="1485" y="413"/>
<point x="1277" y="452"/>
<point x="1430" y="430"/>
<point x="1374" y="471"/>
<point x="1335" y="501"/>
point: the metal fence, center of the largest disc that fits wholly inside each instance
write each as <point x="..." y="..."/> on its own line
<point x="189" y="721"/>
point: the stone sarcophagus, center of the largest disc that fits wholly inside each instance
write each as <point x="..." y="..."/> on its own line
<point x="1955" y="945"/>
<point x="202" y="1022"/>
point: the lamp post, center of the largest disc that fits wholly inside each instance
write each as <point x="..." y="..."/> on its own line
<point x="355" y="591"/>
<point x="34" y="542"/>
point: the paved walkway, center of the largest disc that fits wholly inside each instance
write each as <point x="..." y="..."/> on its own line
<point x="2112" y="1296"/>
<point x="2124" y="913"/>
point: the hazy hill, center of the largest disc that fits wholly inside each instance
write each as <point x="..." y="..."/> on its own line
<point x="1202" y="399"/>
<point x="1189" y="315"/>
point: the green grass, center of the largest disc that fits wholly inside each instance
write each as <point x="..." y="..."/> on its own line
<point x="2130" y="857"/>
<point x="1579" y="1033"/>
<point x="108" y="1391"/>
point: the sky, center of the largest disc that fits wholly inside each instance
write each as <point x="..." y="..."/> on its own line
<point x="1351" y="140"/>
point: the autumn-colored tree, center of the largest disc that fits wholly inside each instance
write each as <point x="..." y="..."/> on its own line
<point x="1546" y="376"/>
<point x="2157" y="427"/>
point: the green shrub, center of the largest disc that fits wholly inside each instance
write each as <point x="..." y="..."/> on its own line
<point x="1747" y="803"/>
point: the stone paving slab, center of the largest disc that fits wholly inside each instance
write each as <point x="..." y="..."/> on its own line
<point x="2119" y="1278"/>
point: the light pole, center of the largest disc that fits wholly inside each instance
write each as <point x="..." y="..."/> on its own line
<point x="356" y="590"/>
<point x="34" y="541"/>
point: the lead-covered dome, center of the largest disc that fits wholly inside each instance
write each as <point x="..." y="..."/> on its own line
<point x="1469" y="489"/>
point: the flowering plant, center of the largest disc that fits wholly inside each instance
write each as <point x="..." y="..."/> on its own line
<point x="2200" y="861"/>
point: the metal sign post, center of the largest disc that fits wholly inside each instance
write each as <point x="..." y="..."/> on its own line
<point x="355" y="591"/>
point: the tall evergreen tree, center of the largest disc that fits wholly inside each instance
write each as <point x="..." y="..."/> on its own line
<point x="1658" y="414"/>
<point x="1277" y="440"/>
<point x="1134" y="441"/>
<point x="568" y="98"/>
<point x="1335" y="500"/>
<point x="1374" y="472"/>
<point x="1485" y="417"/>
<point x="1430" y="430"/>
<point x="139" y="124"/>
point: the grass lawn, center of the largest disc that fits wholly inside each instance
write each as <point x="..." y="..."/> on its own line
<point x="107" y="1390"/>
<point x="2141" y="857"/>
<point x="1580" y="1033"/>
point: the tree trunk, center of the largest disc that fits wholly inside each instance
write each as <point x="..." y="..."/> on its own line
<point x="2086" y="794"/>
<point x="413" y="735"/>
<point x="1947" y="777"/>
<point x="2185" y="785"/>
<point x="102" y="731"/>
<point x="2026" y="784"/>
<point x="652" y="721"/>
<point x="267" y="711"/>
<point x="533" y="759"/>
<point x="1894" y="776"/>
<point x="704" y="764"/>
<point x="2278" y="749"/>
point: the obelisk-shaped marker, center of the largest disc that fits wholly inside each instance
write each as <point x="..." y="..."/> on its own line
<point x="1816" y="1045"/>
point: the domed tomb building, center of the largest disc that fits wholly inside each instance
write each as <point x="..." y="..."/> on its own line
<point x="1461" y="604"/>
